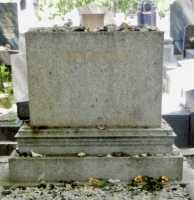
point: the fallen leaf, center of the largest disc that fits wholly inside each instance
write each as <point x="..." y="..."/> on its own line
<point x="81" y="154"/>
<point x="36" y="154"/>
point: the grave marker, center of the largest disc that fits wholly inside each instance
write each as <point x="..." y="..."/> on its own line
<point x="181" y="15"/>
<point x="188" y="41"/>
<point x="9" y="32"/>
<point x="92" y="92"/>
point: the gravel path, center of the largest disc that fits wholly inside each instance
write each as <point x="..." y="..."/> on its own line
<point x="116" y="191"/>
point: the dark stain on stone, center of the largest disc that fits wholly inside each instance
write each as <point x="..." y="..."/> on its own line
<point x="99" y="119"/>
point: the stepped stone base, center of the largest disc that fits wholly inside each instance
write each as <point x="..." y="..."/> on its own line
<point x="73" y="168"/>
<point x="93" y="141"/>
<point x="61" y="145"/>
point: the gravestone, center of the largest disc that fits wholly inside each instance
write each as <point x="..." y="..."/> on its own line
<point x="188" y="40"/>
<point x="19" y="71"/>
<point x="101" y="98"/>
<point x="181" y="15"/>
<point x="146" y="13"/>
<point x="91" y="15"/>
<point x="20" y="81"/>
<point x="9" y="32"/>
<point x="90" y="72"/>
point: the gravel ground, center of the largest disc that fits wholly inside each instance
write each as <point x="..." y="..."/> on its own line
<point x="116" y="191"/>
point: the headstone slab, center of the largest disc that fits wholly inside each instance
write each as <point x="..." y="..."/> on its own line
<point x="94" y="78"/>
<point x="19" y="71"/>
<point x="181" y="15"/>
<point x="9" y="31"/>
<point x="188" y="43"/>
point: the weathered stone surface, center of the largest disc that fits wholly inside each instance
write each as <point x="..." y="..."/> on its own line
<point x="22" y="45"/>
<point x="91" y="79"/>
<point x="63" y="141"/>
<point x="73" y="168"/>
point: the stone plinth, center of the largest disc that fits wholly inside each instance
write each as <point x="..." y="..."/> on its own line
<point x="72" y="168"/>
<point x="93" y="141"/>
<point x="95" y="78"/>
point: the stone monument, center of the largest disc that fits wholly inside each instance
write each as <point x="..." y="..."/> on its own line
<point x="9" y="31"/>
<point x="97" y="93"/>
<point x="181" y="15"/>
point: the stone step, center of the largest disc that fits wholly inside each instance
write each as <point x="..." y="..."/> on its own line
<point x="74" y="168"/>
<point x="6" y="147"/>
<point x="93" y="141"/>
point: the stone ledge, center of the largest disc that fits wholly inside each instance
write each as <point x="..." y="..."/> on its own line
<point x="63" y="141"/>
<point x="73" y="168"/>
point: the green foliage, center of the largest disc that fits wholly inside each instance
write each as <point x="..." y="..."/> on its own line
<point x="4" y="73"/>
<point x="50" y="8"/>
<point x="58" y="8"/>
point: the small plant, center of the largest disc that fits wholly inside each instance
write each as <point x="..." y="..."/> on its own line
<point x="6" y="85"/>
<point x="4" y="73"/>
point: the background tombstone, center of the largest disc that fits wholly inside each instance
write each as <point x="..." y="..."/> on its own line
<point x="181" y="15"/>
<point x="146" y="13"/>
<point x="91" y="15"/>
<point x="188" y="41"/>
<point x="9" y="32"/>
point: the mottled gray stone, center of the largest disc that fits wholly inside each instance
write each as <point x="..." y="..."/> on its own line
<point x="91" y="79"/>
<point x="73" y="168"/>
<point x="22" y="45"/>
<point x="93" y="141"/>
<point x="19" y="74"/>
